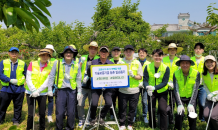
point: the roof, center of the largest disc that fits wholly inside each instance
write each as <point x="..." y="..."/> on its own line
<point x="183" y="14"/>
<point x="171" y="27"/>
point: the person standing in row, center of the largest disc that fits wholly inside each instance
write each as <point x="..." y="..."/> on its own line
<point x="37" y="87"/>
<point x="131" y="94"/>
<point x="12" y="76"/>
<point x="210" y="81"/>
<point x="186" y="82"/>
<point x="170" y="61"/>
<point x="67" y="76"/>
<point x="156" y="77"/>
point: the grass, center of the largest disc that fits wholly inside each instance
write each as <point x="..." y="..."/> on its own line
<point x="138" y="125"/>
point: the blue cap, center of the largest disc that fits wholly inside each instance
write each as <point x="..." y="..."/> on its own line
<point x="14" y="49"/>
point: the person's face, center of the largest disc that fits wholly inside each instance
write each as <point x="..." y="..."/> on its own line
<point x="68" y="55"/>
<point x="198" y="50"/>
<point x="116" y="53"/>
<point x="13" y="54"/>
<point x="142" y="55"/>
<point x="93" y="50"/>
<point x="185" y="65"/>
<point x="172" y="51"/>
<point x="210" y="64"/>
<point x="157" y="58"/>
<point x="128" y="53"/>
<point x="44" y="58"/>
<point x="103" y="54"/>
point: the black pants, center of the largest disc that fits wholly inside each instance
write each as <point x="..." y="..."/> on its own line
<point x="41" y="106"/>
<point x="179" y="118"/>
<point x="124" y="99"/>
<point x="171" y="100"/>
<point x="162" y="107"/>
<point x="94" y="104"/>
<point x="115" y="94"/>
<point x="5" y="102"/>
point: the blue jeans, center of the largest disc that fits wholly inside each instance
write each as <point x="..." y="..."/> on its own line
<point x="50" y="105"/>
<point x="202" y="95"/>
<point x="144" y="103"/>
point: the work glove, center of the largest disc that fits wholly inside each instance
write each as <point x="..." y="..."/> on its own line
<point x="191" y="108"/>
<point x="209" y="96"/>
<point x="35" y="94"/>
<point x="50" y="93"/>
<point x="150" y="88"/>
<point x="120" y="62"/>
<point x="67" y="76"/>
<point x="83" y="59"/>
<point x="86" y="78"/>
<point x="150" y="93"/>
<point x="214" y="98"/>
<point x="78" y="96"/>
<point x="170" y="85"/>
<point x="131" y="74"/>
<point x="13" y="81"/>
<point x="180" y="108"/>
<point x="141" y="85"/>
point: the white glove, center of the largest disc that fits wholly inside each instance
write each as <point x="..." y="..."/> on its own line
<point x="150" y="88"/>
<point x="35" y="94"/>
<point x="83" y="59"/>
<point x="170" y="85"/>
<point x="50" y="93"/>
<point x="141" y="85"/>
<point x="150" y="93"/>
<point x="190" y="108"/>
<point x="131" y="74"/>
<point x="13" y="81"/>
<point x="120" y="62"/>
<point x="209" y="96"/>
<point x="86" y="78"/>
<point x="180" y="108"/>
<point x="78" y="96"/>
<point x="67" y="76"/>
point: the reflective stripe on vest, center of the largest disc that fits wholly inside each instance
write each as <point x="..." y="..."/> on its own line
<point x="151" y="79"/>
<point x="186" y="90"/>
<point x="143" y="67"/>
<point x="73" y="74"/>
<point x="19" y="72"/>
<point x="211" y="85"/>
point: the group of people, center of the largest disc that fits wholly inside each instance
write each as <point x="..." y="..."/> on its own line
<point x="187" y="81"/>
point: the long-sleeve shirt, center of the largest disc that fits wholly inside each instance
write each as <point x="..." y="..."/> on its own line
<point x="194" y="92"/>
<point x="66" y="82"/>
<point x="11" y="88"/>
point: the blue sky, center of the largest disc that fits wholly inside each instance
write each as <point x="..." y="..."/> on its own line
<point x="153" y="11"/>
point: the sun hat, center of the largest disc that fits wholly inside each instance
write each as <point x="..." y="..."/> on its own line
<point x="172" y="45"/>
<point x="209" y="57"/>
<point x="184" y="58"/>
<point x="45" y="51"/>
<point x="73" y="46"/>
<point x="13" y="49"/>
<point x="93" y="43"/>
<point x="71" y="49"/>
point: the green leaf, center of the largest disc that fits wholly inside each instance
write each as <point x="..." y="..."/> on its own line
<point x="14" y="127"/>
<point x="11" y="16"/>
<point x="1" y="15"/>
<point x="45" y="21"/>
<point x="29" y="26"/>
<point x="27" y="16"/>
<point x="47" y="3"/>
<point x="20" y="24"/>
<point x="30" y="4"/>
<point x="42" y="7"/>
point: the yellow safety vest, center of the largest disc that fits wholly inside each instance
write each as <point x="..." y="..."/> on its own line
<point x="19" y="72"/>
<point x="112" y="59"/>
<point x="73" y="74"/>
<point x="38" y="77"/>
<point x="185" y="90"/>
<point x="200" y="66"/>
<point x="211" y="85"/>
<point x="143" y="67"/>
<point x="151" y="72"/>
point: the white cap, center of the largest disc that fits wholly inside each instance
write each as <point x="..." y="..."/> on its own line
<point x="49" y="46"/>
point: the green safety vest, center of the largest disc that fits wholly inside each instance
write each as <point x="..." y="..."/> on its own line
<point x="134" y="67"/>
<point x="112" y="59"/>
<point x="200" y="66"/>
<point x="73" y="74"/>
<point x="19" y="72"/>
<point x="37" y="77"/>
<point x="211" y="85"/>
<point x="143" y="67"/>
<point x="185" y="90"/>
<point x="151" y="72"/>
<point x="52" y="60"/>
<point x="83" y="68"/>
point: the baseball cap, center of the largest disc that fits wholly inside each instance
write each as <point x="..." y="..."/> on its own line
<point x="128" y="47"/>
<point x="116" y="48"/>
<point x="209" y="57"/>
<point x="104" y="47"/>
<point x="13" y="49"/>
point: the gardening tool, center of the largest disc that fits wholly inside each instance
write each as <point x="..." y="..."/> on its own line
<point x="151" y="113"/>
<point x="172" y="102"/>
<point x="34" y="107"/>
<point x="210" y="115"/>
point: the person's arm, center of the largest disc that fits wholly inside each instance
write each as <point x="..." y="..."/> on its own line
<point x="78" y="80"/>
<point x="28" y="78"/>
<point x="52" y="76"/>
<point x="176" y="91"/>
<point x="3" y="77"/>
<point x="44" y="85"/>
<point x="139" y="73"/>
<point x="145" y="77"/>
<point x="25" y="70"/>
<point x="164" y="80"/>
<point x="195" y="90"/>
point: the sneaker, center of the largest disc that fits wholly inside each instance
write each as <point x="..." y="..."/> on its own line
<point x="112" y="117"/>
<point x="80" y="125"/>
<point x="16" y="123"/>
<point x="146" y="120"/>
<point x="122" y="128"/>
<point x="101" y="121"/>
<point x="50" y="119"/>
<point x="92" y="122"/>
<point x="129" y="127"/>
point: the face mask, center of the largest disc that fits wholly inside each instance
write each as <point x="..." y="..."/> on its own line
<point x="198" y="55"/>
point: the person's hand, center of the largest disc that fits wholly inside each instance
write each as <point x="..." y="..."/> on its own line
<point x="131" y="74"/>
<point x="191" y="108"/>
<point x="86" y="78"/>
<point x="209" y="96"/>
<point x="35" y="94"/>
<point x="13" y="81"/>
<point x="170" y="85"/>
<point x="150" y="93"/>
<point x="180" y="109"/>
<point x="83" y="59"/>
<point x="150" y="88"/>
<point x="79" y="96"/>
<point x="67" y="76"/>
<point x="50" y="93"/>
<point x="141" y="85"/>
